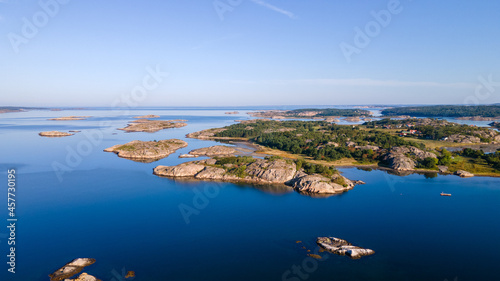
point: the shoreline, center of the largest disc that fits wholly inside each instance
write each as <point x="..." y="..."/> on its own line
<point x="265" y="151"/>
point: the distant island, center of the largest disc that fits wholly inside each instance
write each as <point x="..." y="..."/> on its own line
<point x="69" y="118"/>
<point x="492" y="111"/>
<point x="9" y="109"/>
<point x="147" y="116"/>
<point x="311" y="113"/>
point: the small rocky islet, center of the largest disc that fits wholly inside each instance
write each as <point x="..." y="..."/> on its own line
<point x="54" y="134"/>
<point x="147" y="151"/>
<point x="69" y="118"/>
<point x="212" y="151"/>
<point x="74" y="267"/>
<point x="342" y="247"/>
<point x="152" y="126"/>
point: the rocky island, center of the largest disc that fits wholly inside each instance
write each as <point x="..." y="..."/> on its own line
<point x="72" y="268"/>
<point x="213" y="151"/>
<point x="147" y="151"/>
<point x="147" y="116"/>
<point x="312" y="113"/>
<point x="54" y="134"/>
<point x="151" y="126"/>
<point x="271" y="170"/>
<point x="69" y="118"/>
<point x="342" y="247"/>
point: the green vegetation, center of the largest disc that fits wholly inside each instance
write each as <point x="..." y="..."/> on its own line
<point x="235" y="165"/>
<point x="432" y="128"/>
<point x="428" y="163"/>
<point x="310" y="168"/>
<point x="445" y="111"/>
<point x="235" y="160"/>
<point x="492" y="159"/>
<point x="317" y="139"/>
<point x="445" y="158"/>
<point x="126" y="147"/>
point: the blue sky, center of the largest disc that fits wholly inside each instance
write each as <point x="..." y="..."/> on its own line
<point x="249" y="52"/>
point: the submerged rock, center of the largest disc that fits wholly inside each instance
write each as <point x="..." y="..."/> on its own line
<point x="147" y="151"/>
<point x="71" y="268"/>
<point x="342" y="247"/>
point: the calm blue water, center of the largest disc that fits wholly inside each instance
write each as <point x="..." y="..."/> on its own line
<point x="116" y="211"/>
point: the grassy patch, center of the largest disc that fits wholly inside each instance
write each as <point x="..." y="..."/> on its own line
<point x="126" y="147"/>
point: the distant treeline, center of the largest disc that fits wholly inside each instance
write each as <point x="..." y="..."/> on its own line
<point x="325" y="112"/>
<point x="445" y="111"/>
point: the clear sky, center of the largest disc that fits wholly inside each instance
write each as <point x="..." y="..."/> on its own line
<point x="248" y="52"/>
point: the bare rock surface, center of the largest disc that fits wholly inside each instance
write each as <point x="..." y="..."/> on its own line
<point x="463" y="139"/>
<point x="260" y="171"/>
<point x="214" y="151"/>
<point x="147" y="151"/>
<point x="277" y="171"/>
<point x="151" y="126"/>
<point x="317" y="184"/>
<point x="399" y="161"/>
<point x="71" y="268"/>
<point x="342" y="247"/>
<point x="464" y="174"/>
<point x="442" y="169"/>
<point x="54" y="134"/>
<point x="205" y="134"/>
<point x="400" y="158"/>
